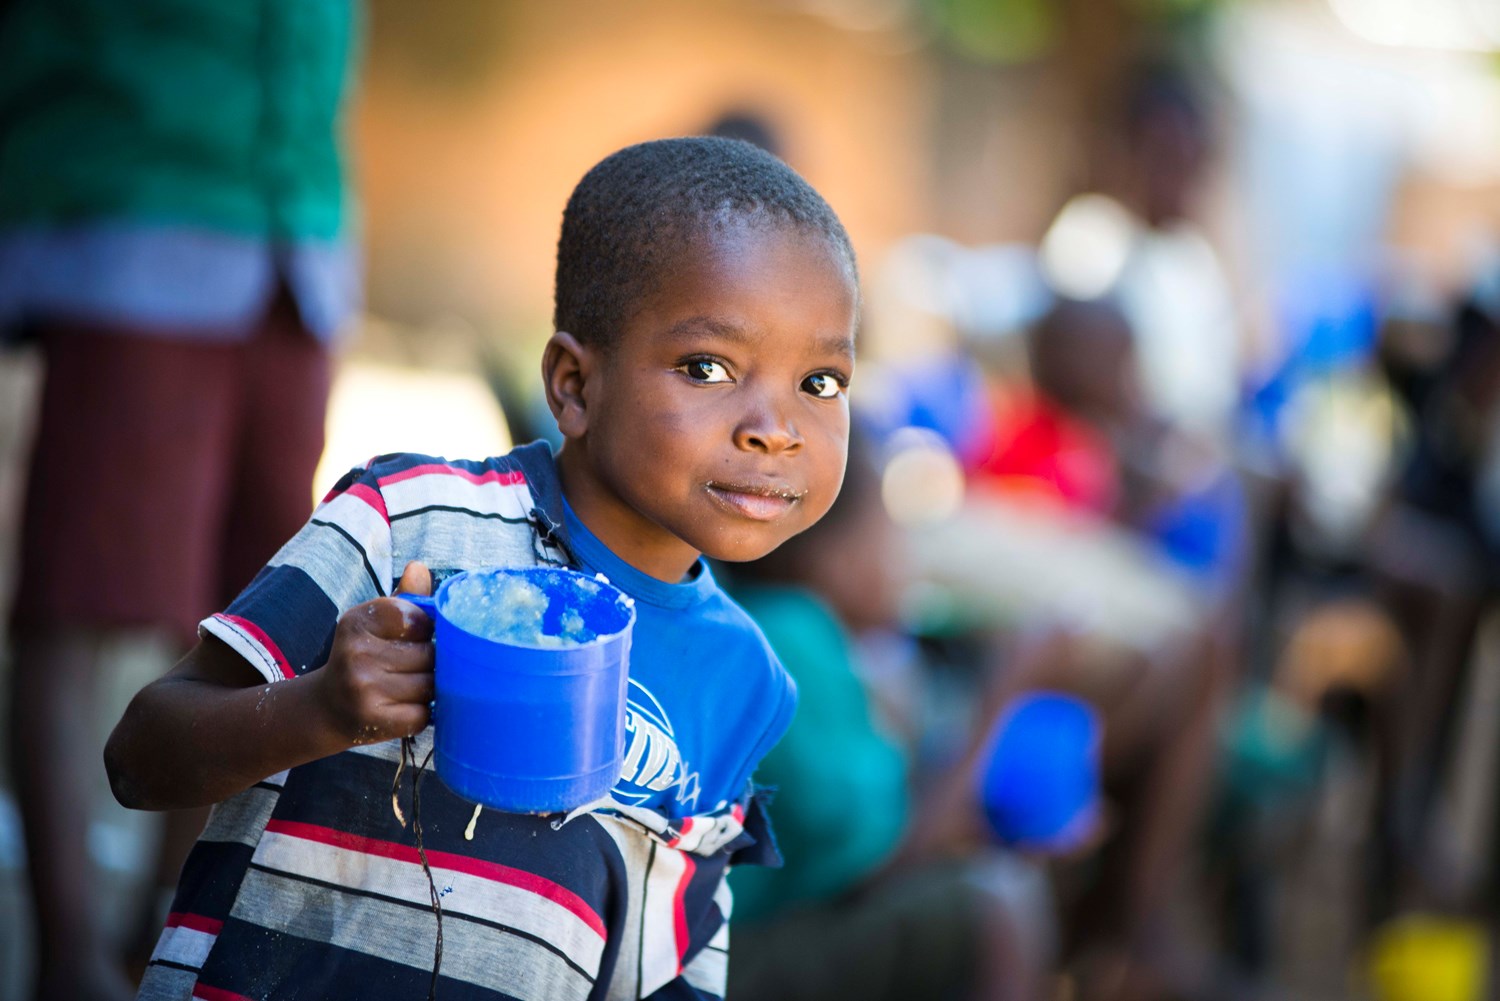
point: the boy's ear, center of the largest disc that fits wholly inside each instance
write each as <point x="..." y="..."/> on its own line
<point x="566" y="368"/>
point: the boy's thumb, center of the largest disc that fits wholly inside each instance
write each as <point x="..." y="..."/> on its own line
<point x="415" y="579"/>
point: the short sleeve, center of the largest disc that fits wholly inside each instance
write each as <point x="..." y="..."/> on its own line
<point x="283" y="622"/>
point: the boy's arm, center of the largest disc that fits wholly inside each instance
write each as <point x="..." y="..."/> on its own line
<point x="211" y="727"/>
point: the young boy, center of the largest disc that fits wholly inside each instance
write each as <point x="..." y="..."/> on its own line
<point x="705" y="312"/>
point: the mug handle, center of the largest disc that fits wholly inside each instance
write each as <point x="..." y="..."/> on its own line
<point x="426" y="602"/>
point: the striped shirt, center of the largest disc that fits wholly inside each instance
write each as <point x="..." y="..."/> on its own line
<point x="308" y="885"/>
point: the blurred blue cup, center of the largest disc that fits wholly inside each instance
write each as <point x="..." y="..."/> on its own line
<point x="1039" y="781"/>
<point x="530" y="724"/>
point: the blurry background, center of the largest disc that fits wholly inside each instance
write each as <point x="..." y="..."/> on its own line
<point x="1284" y="203"/>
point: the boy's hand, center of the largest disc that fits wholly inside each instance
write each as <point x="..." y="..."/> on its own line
<point x="377" y="684"/>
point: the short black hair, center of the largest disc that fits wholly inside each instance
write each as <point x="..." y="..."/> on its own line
<point x="637" y="210"/>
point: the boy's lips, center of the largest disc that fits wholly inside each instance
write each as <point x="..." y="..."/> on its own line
<point x="756" y="501"/>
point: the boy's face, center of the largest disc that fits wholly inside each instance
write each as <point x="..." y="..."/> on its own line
<point x="718" y="421"/>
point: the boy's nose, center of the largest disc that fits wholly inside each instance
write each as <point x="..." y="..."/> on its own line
<point x="767" y="432"/>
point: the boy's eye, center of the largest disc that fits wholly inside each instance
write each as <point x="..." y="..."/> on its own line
<point x="823" y="385"/>
<point x="705" y="370"/>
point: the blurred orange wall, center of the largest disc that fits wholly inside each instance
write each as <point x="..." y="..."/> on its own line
<point x="470" y="131"/>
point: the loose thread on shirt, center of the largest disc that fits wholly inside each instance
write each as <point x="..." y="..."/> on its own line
<point x="409" y="756"/>
<point x="548" y="536"/>
<point x="396" y="784"/>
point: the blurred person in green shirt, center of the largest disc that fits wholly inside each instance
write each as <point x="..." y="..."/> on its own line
<point x="174" y="237"/>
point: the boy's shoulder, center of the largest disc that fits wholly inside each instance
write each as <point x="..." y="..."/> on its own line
<point x="457" y="514"/>
<point x="739" y="642"/>
<point x="726" y="613"/>
<point x="403" y="484"/>
<point x="531" y="464"/>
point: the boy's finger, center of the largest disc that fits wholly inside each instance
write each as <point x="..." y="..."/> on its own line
<point x="410" y="689"/>
<point x="407" y="657"/>
<point x="392" y="619"/>
<point x="415" y="579"/>
<point x="409" y="720"/>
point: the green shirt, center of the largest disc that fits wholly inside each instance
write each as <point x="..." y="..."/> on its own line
<point x="212" y="113"/>
<point x="841" y="802"/>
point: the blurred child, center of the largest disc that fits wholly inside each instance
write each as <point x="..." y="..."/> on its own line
<point x="1141" y="558"/>
<point x="1433" y="552"/>
<point x="705" y="309"/>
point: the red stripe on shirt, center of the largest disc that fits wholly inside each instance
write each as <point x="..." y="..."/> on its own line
<point x="196" y="922"/>
<point x="679" y="909"/>
<point x="520" y="878"/>
<point x="259" y="635"/>
<point x="372" y="497"/>
<point x="207" y="993"/>
<point x="682" y="832"/>
<point x="504" y="477"/>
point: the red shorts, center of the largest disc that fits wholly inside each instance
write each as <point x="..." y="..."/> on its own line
<point x="165" y="471"/>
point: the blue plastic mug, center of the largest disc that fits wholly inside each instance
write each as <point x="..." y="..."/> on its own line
<point x="531" y="728"/>
<point x="1039" y="783"/>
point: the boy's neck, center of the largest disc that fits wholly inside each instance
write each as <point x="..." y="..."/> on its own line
<point x="646" y="546"/>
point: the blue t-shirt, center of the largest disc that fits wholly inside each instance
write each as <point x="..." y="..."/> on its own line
<point x="700" y="696"/>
